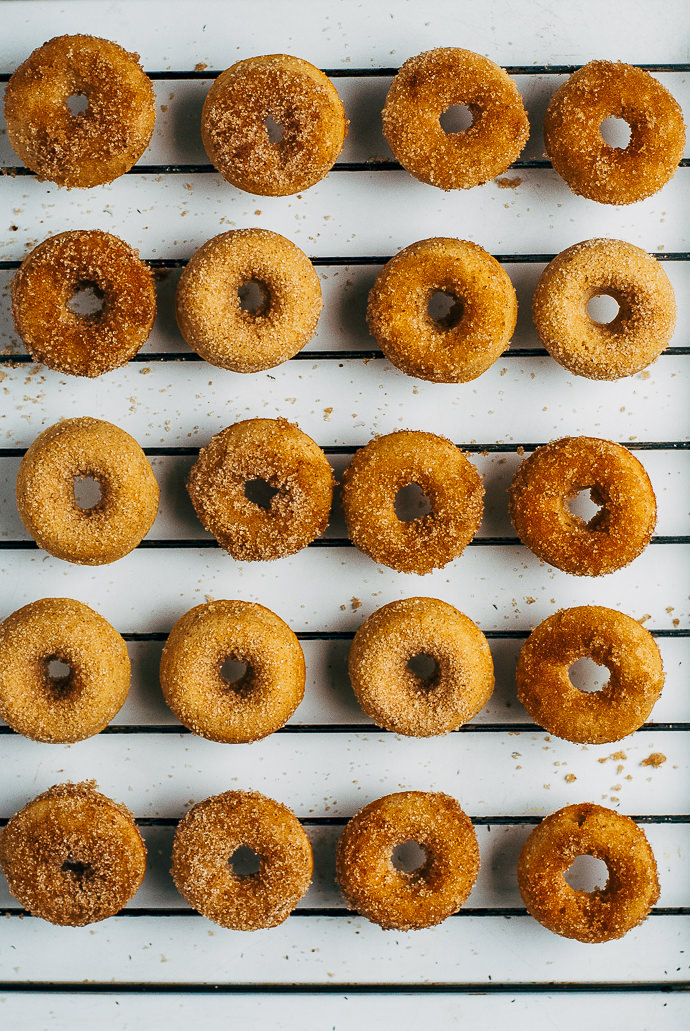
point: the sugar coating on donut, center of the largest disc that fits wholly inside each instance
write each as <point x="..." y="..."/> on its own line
<point x="72" y="856"/>
<point x="641" y="329"/>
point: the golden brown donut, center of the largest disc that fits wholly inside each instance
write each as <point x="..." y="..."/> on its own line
<point x="74" y="343"/>
<point x="451" y="483"/>
<point x="208" y="837"/>
<point x="103" y="141"/>
<point x="279" y="453"/>
<point x="396" y="697"/>
<point x="465" y="343"/>
<point x="611" y="639"/>
<point x="429" y="84"/>
<point x="292" y="93"/>
<point x="72" y="856"/>
<point x="393" y="898"/>
<point x="638" y="334"/>
<point x="209" y="311"/>
<point x="265" y="696"/>
<point x="586" y="829"/>
<point x="86" y="447"/>
<point x="70" y="707"/>
<point x="556" y="473"/>
<point x="578" y="151"/>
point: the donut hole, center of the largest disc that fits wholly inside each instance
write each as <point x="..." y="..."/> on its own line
<point x="423" y="668"/>
<point x="254" y="296"/>
<point x="77" y="104"/>
<point x="615" y="132"/>
<point x="87" y="300"/>
<point x="75" y="867"/>
<point x="88" y="492"/>
<point x="244" y="862"/>
<point x="445" y="309"/>
<point x="585" y="506"/>
<point x="411" y="503"/>
<point x="409" y="857"/>
<point x="588" y="676"/>
<point x="58" y="675"/>
<point x="234" y="672"/>
<point x="587" y="873"/>
<point x="456" y="119"/>
<point x="57" y="669"/>
<point x="260" y="493"/>
<point x="603" y="309"/>
<point x="275" y="130"/>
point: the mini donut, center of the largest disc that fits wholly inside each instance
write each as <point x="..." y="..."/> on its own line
<point x="279" y="453"/>
<point x="606" y="913"/>
<point x="638" y="334"/>
<point x="209" y="311"/>
<point x="397" y="698"/>
<point x="450" y="482"/>
<point x="247" y="709"/>
<point x="393" y="898"/>
<point x="295" y="95"/>
<point x="86" y="447"/>
<point x="559" y="471"/>
<point x="611" y="639"/>
<point x="208" y="837"/>
<point x="578" y="151"/>
<point x="83" y="344"/>
<point x="463" y="344"/>
<point x="103" y="141"/>
<point x="72" y="856"/>
<point x="425" y="87"/>
<point x="83" y="701"/>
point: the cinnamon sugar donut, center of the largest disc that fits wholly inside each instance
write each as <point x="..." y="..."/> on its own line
<point x="463" y="344"/>
<point x="429" y="84"/>
<point x="81" y="702"/>
<point x="578" y="151"/>
<point x="638" y="334"/>
<point x="72" y="856"/>
<point x="295" y="95"/>
<point x="277" y="452"/>
<point x="391" y="897"/>
<point x="557" y="472"/>
<point x="74" y="343"/>
<point x="261" y="700"/>
<point x="611" y="639"/>
<point x="209" y="311"/>
<point x="605" y="913"/>
<point x="399" y="699"/>
<point x="103" y="141"/>
<point x="205" y="843"/>
<point x="451" y="483"/>
<point x="86" y="447"/>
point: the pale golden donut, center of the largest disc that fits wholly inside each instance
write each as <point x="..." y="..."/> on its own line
<point x="299" y="98"/>
<point x="397" y="698"/>
<point x="208" y="307"/>
<point x="638" y="334"/>
<point x="425" y="87"/>
<point x="102" y="142"/>
<point x="45" y="491"/>
<point x="262" y="700"/>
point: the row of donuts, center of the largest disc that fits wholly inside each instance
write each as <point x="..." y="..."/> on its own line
<point x="225" y="485"/>
<point x="240" y="704"/>
<point x="72" y="856"/>
<point x="106" y="139"/>
<point x="217" y="320"/>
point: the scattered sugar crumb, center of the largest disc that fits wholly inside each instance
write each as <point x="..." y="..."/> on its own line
<point x="200" y="67"/>
<point x="570" y="777"/>
<point x="355" y="603"/>
<point x="656" y="759"/>
<point x="506" y="182"/>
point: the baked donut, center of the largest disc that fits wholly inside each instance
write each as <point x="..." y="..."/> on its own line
<point x="277" y="452"/>
<point x="556" y="473"/>
<point x="461" y="345"/>
<point x="206" y="841"/>
<point x="393" y="695"/>
<point x="578" y="151"/>
<point x="605" y="913"/>
<point x="429" y="84"/>
<point x="261" y="700"/>
<point x="293" y="94"/>
<point x="451" y="483"/>
<point x="208" y="306"/>
<point x="103" y="141"/>
<point x="92" y="448"/>
<point x="74" y="343"/>
<point x="72" y="856"/>
<point x="81" y="702"/>
<point x="391" y="897"/>
<point x="638" y="334"/>
<point x="611" y="639"/>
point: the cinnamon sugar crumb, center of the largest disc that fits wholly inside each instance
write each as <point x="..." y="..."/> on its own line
<point x="656" y="759"/>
